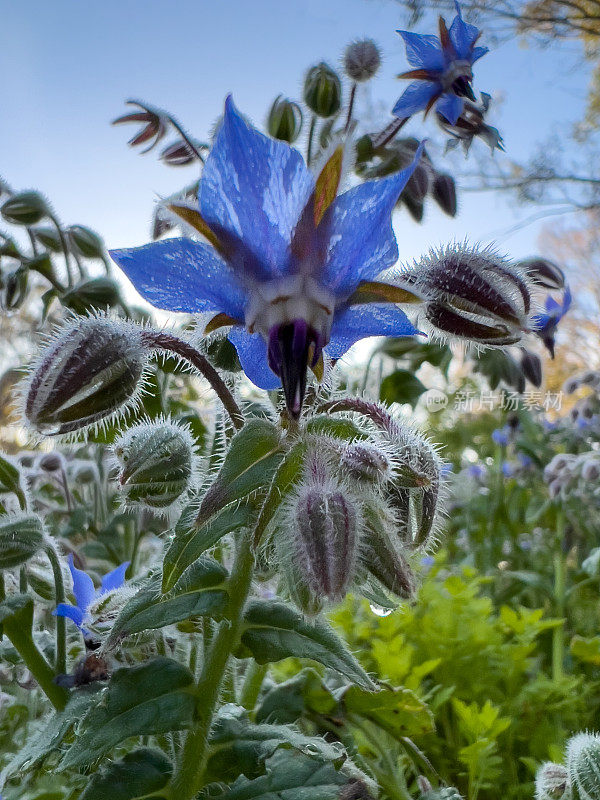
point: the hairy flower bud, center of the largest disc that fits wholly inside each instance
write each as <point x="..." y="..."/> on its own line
<point x="156" y="463"/>
<point x="86" y="242"/>
<point x="21" y="536"/>
<point x="15" y="288"/>
<point x="92" y="293"/>
<point x="382" y="560"/>
<point x="544" y="273"/>
<point x="154" y="124"/>
<point x="531" y="366"/>
<point x="51" y="462"/>
<point x="552" y="782"/>
<point x="25" y="208"/>
<point x="444" y="193"/>
<point x="323" y="90"/>
<point x="583" y="765"/>
<point x="472" y="294"/>
<point x="365" y="462"/>
<point x="180" y="154"/>
<point x="285" y="120"/>
<point x="326" y="527"/>
<point x="91" y="369"/>
<point x="362" y="60"/>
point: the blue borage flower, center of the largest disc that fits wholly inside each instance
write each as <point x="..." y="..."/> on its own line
<point x="443" y="69"/>
<point x="289" y="263"/>
<point x="85" y="593"/>
<point x="545" y="324"/>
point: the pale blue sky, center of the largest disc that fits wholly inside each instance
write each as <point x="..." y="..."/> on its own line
<point x="66" y="67"/>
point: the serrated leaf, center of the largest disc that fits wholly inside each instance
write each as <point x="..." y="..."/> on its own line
<point x="144" y="700"/>
<point x="241" y="747"/>
<point x="273" y="631"/>
<point x="139" y="774"/>
<point x="190" y="541"/>
<point x="253" y="457"/>
<point x="290" y="775"/>
<point x="198" y="592"/>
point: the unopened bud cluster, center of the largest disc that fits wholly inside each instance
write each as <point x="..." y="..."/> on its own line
<point x="569" y="475"/>
<point x="472" y="294"/>
<point x="156" y="462"/>
<point x="579" y="778"/>
<point x="585" y="413"/>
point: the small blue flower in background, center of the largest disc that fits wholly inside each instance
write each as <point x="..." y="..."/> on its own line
<point x="477" y="472"/>
<point x="442" y="69"/>
<point x="427" y="562"/>
<point x="85" y="593"/>
<point x="544" y="325"/>
<point x="508" y="469"/>
<point x="500" y="436"/>
<point x="525" y="461"/>
<point x="285" y="263"/>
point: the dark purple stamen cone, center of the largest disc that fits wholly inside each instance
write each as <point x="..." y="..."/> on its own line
<point x="462" y="88"/>
<point x="290" y="347"/>
<point x="325" y="541"/>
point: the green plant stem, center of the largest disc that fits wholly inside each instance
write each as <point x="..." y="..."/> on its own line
<point x="61" y="622"/>
<point x="558" y="634"/>
<point x="65" y="249"/>
<point x="36" y="664"/>
<point x="311" y="136"/>
<point x="189" y="774"/>
<point x="253" y="681"/>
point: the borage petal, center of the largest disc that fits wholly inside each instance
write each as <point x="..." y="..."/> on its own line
<point x="255" y="188"/>
<point x="83" y="586"/>
<point x="416" y="97"/>
<point x="462" y="35"/>
<point x="71" y="612"/>
<point x="115" y="579"/>
<point x="252" y="352"/>
<point x="358" y="322"/>
<point x="450" y="106"/>
<point x="423" y="51"/>
<point x="183" y="275"/>
<point x="362" y="242"/>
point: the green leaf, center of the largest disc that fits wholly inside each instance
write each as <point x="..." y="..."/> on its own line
<point x="253" y="457"/>
<point x="286" y="702"/>
<point x="191" y="541"/>
<point x="586" y="650"/>
<point x="10" y="479"/>
<point x="239" y="747"/>
<point x="273" y="631"/>
<point x="17" y="609"/>
<point x="148" y="699"/>
<point x="401" y="387"/>
<point x="287" y="475"/>
<point x="21" y="536"/>
<point x="290" y="775"/>
<point x="198" y="592"/>
<point x="139" y="774"/>
<point x="51" y="734"/>
<point x="399" y="712"/>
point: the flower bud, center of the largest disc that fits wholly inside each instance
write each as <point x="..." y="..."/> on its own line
<point x="583" y="765"/>
<point x="472" y="294"/>
<point x="156" y="462"/>
<point x="51" y="462"/>
<point x="364" y="462"/>
<point x="86" y="242"/>
<point x="49" y="238"/>
<point x="285" y="120"/>
<point x="21" y="536"/>
<point x="531" y="365"/>
<point x="15" y="288"/>
<point x="552" y="782"/>
<point x="326" y="525"/>
<point x="444" y="193"/>
<point x="362" y="60"/>
<point x="91" y="369"/>
<point x="590" y="471"/>
<point x="180" y="154"/>
<point x="25" y="208"/>
<point x="301" y="593"/>
<point x="323" y="90"/>
<point x="92" y="293"/>
<point x="154" y="124"/>
<point x="383" y="561"/>
<point x="417" y="185"/>
<point x="544" y="273"/>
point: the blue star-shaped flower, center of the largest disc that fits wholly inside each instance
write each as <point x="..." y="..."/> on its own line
<point x="288" y="262"/>
<point x="85" y="593"/>
<point x="545" y="324"/>
<point x="443" y="69"/>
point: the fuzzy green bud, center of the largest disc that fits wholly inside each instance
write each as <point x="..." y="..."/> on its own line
<point x="21" y="536"/>
<point x="156" y="463"/>
<point x="362" y="60"/>
<point x="552" y="782"/>
<point x="15" y="288"/>
<point x="86" y="242"/>
<point x="365" y="462"/>
<point x="285" y="120"/>
<point x="323" y="90"/>
<point x="583" y="765"/>
<point x="92" y="293"/>
<point x="89" y="371"/>
<point x="25" y="208"/>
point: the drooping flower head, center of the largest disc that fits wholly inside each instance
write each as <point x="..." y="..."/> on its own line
<point x="85" y="593"/>
<point x="442" y="69"/>
<point x="289" y="263"/>
<point x="546" y="323"/>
